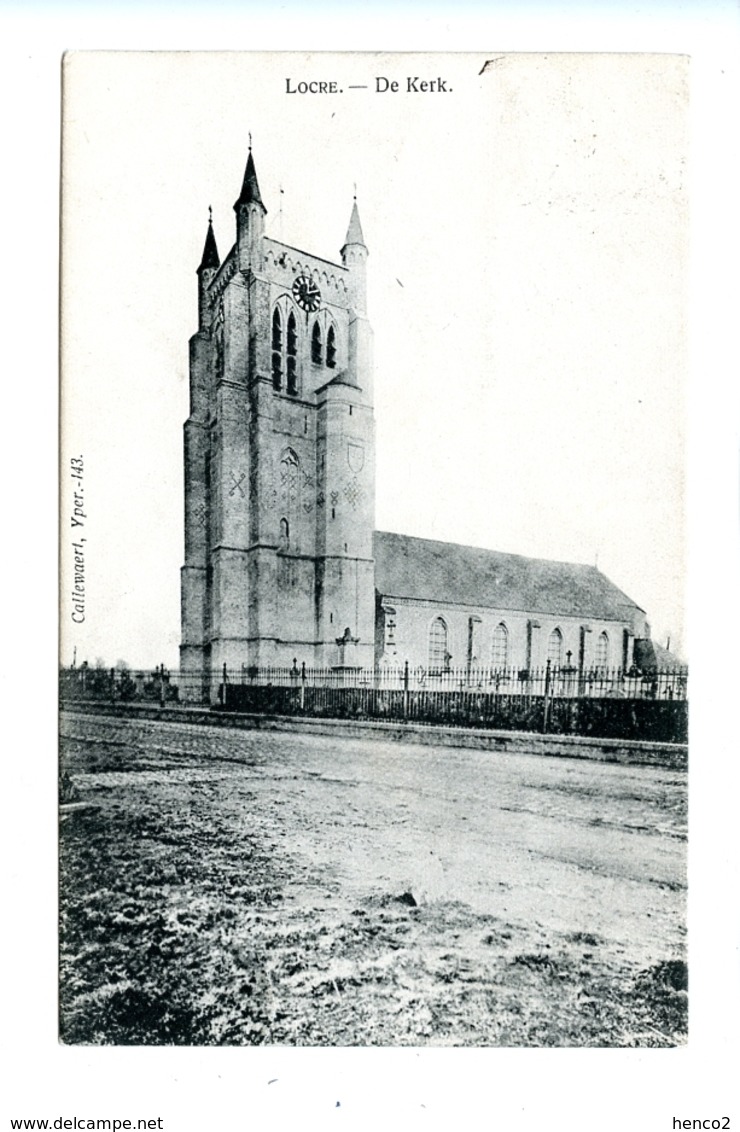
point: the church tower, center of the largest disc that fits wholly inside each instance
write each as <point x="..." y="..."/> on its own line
<point x="279" y="454"/>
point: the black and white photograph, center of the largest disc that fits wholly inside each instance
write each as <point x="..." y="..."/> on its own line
<point x="371" y="571"/>
<point x="374" y="670"/>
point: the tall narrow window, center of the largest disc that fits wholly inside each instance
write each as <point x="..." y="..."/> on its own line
<point x="438" y="655"/>
<point x="317" y="354"/>
<point x="284" y="540"/>
<point x="473" y="638"/>
<point x="555" y="648"/>
<point x="277" y="350"/>
<point x="602" y="650"/>
<point x="500" y="646"/>
<point x="331" y="348"/>
<point x="292" y="350"/>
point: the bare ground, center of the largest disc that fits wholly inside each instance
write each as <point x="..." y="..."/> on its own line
<point x="243" y="887"/>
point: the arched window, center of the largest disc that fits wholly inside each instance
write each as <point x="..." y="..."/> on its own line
<point x="317" y="354"/>
<point x="284" y="542"/>
<point x="292" y="350"/>
<point x="602" y="650"/>
<point x="277" y="349"/>
<point x="555" y="648"/>
<point x="331" y="348"/>
<point x="438" y="654"/>
<point x="500" y="646"/>
<point x="277" y="330"/>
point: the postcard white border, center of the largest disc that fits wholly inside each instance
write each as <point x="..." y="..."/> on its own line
<point x="512" y="1089"/>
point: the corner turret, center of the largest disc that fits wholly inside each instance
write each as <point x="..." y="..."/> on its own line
<point x="354" y="231"/>
<point x="354" y="257"/>
<point x="209" y="265"/>
<point x="250" y="218"/>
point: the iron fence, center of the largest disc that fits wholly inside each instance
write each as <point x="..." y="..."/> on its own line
<point x="608" y="703"/>
<point x="556" y="681"/>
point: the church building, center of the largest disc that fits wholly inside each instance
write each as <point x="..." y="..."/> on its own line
<point x="282" y="559"/>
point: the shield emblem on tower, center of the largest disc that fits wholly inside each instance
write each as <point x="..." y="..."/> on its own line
<point x="355" y="455"/>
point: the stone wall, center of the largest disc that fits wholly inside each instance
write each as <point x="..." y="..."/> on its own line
<point x="405" y="633"/>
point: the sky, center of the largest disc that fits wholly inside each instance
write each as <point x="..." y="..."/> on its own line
<point x="527" y="230"/>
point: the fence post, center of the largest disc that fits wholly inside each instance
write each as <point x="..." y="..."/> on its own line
<point x="223" y="686"/>
<point x="112" y="685"/>
<point x="546" y="705"/>
<point x="303" y="684"/>
<point x="405" y="689"/>
<point x="161" y="686"/>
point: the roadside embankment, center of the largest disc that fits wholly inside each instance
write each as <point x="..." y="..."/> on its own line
<point x="673" y="756"/>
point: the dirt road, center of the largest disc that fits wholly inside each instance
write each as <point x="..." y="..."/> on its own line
<point x="250" y="887"/>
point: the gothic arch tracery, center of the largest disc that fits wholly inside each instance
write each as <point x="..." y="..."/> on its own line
<point x="331" y="347"/>
<point x="317" y="344"/>
<point x="285" y="344"/>
<point x="277" y="348"/>
<point x="325" y="341"/>
<point x="290" y="481"/>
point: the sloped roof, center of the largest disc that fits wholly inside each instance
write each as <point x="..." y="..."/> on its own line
<point x="342" y="378"/>
<point x="210" y="251"/>
<point x="250" y="193"/>
<point x="466" y="575"/>
<point x="354" y="231"/>
<point x="652" y="657"/>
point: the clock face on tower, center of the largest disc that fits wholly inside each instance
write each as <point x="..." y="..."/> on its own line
<point x="306" y="293"/>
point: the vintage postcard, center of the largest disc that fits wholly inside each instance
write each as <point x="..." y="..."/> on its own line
<point x="430" y="362"/>
<point x="374" y="666"/>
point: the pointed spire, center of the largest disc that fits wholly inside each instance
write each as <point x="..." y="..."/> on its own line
<point x="250" y="193"/>
<point x="354" y="232"/>
<point x="210" y="256"/>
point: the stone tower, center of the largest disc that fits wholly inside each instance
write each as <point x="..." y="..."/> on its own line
<point x="279" y="454"/>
